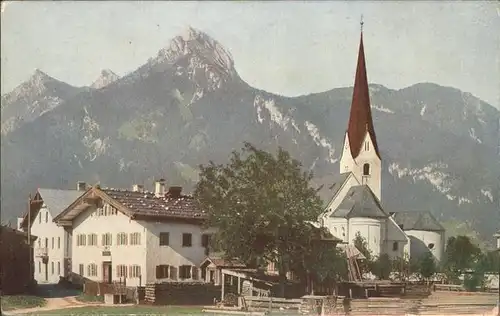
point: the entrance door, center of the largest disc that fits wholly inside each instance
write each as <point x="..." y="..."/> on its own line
<point x="106" y="272"/>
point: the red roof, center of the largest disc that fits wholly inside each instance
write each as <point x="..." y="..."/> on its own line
<point x="360" y="119"/>
<point x="147" y="204"/>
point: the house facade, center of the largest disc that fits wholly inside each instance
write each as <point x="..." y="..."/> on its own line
<point x="426" y="234"/>
<point x="355" y="206"/>
<point x="135" y="235"/>
<point x="16" y="261"/>
<point x="52" y="250"/>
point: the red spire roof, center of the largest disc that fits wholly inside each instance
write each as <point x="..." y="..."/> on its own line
<point x="360" y="119"/>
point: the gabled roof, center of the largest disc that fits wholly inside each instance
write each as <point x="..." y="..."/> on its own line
<point x="56" y="201"/>
<point x="9" y="230"/>
<point x="220" y="262"/>
<point x="415" y="220"/>
<point x="337" y="183"/>
<point x="137" y="205"/>
<point x="360" y="118"/>
<point x="360" y="202"/>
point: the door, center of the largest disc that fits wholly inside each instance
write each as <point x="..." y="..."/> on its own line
<point x="106" y="272"/>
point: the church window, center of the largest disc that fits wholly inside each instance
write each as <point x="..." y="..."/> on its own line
<point x="367" y="146"/>
<point x="366" y="169"/>
<point x="343" y="231"/>
<point x="395" y="246"/>
<point x="431" y="245"/>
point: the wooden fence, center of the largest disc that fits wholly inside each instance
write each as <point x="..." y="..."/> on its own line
<point x="181" y="293"/>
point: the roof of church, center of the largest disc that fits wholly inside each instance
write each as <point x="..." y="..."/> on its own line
<point x="338" y="181"/>
<point x="360" y="118"/>
<point x="414" y="220"/>
<point x="360" y="202"/>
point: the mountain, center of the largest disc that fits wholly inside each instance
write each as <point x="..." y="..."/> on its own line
<point x="105" y="78"/>
<point x="188" y="105"/>
<point x="40" y="94"/>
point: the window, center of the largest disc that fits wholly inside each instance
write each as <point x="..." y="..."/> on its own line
<point x="162" y="271"/>
<point x="366" y="169"/>
<point x="194" y="273"/>
<point x="46" y="243"/>
<point x="58" y="242"/>
<point x="92" y="270"/>
<point x="52" y="242"/>
<point x="92" y="239"/>
<point x="106" y="239"/>
<point x="39" y="267"/>
<point x="185" y="272"/>
<point x="187" y="240"/>
<point x="134" y="271"/>
<point x="52" y="267"/>
<point x="80" y="268"/>
<point x="173" y="273"/>
<point x="81" y="240"/>
<point x="367" y="146"/>
<point x="135" y="238"/>
<point x="121" y="239"/>
<point x="58" y="267"/>
<point x="164" y="239"/>
<point x="39" y="243"/>
<point x="395" y="246"/>
<point x="46" y="217"/>
<point x="431" y="246"/>
<point x="121" y="271"/>
<point x="205" y="240"/>
<point x="40" y="218"/>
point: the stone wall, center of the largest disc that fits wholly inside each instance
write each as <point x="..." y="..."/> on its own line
<point x="182" y="293"/>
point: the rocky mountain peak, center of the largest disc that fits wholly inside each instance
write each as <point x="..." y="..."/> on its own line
<point x="198" y="55"/>
<point x="105" y="78"/>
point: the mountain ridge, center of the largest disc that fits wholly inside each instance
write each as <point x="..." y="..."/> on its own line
<point x="189" y="106"/>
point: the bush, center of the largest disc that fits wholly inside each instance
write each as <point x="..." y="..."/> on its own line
<point x="90" y="298"/>
<point x="10" y="302"/>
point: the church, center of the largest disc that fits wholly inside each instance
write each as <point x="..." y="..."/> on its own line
<point x="355" y="205"/>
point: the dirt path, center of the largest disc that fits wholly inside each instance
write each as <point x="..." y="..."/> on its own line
<point x="52" y="304"/>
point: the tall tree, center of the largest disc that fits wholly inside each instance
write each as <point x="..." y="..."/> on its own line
<point x="260" y="204"/>
<point x="426" y="265"/>
<point x="362" y="245"/>
<point x="460" y="254"/>
<point x="382" y="267"/>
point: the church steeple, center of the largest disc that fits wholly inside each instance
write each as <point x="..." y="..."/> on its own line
<point x="360" y="154"/>
<point x="360" y="119"/>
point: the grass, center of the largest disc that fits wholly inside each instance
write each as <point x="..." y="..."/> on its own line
<point x="125" y="310"/>
<point x="10" y="302"/>
<point x="90" y="298"/>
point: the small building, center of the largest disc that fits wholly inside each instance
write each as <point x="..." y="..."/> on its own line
<point x="211" y="268"/>
<point x="16" y="261"/>
<point x="497" y="236"/>
<point x="53" y="247"/>
<point x="136" y="235"/>
<point x="425" y="233"/>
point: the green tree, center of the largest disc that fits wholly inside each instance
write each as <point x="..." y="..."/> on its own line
<point x="260" y="205"/>
<point x="362" y="245"/>
<point x="426" y="266"/>
<point x="382" y="267"/>
<point x="460" y="254"/>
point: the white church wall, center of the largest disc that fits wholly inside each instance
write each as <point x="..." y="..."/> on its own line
<point x="338" y="227"/>
<point x="367" y="155"/>
<point x="370" y="229"/>
<point x="422" y="241"/>
<point x="396" y="240"/>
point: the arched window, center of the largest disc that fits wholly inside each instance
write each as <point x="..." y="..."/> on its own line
<point x="366" y="169"/>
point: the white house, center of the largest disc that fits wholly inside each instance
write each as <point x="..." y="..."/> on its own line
<point x="140" y="236"/>
<point x="52" y="250"/>
<point x="355" y="205"/>
<point x="425" y="232"/>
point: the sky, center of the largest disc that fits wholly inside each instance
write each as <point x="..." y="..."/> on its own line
<point x="286" y="47"/>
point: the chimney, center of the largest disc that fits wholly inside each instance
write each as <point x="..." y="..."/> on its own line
<point x="175" y="192"/>
<point x="160" y="188"/>
<point x="138" y="188"/>
<point x="81" y="186"/>
<point x="19" y="222"/>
